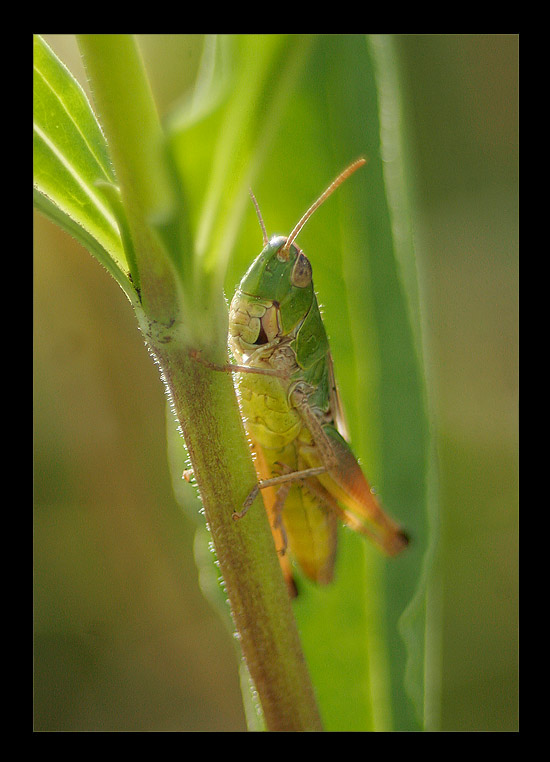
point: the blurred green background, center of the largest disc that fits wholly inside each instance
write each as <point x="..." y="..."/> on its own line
<point x="124" y="639"/>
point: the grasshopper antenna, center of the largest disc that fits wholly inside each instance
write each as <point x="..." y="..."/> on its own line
<point x="323" y="197"/>
<point x="256" y="206"/>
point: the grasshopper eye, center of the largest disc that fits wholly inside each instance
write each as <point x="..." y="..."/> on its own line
<point x="301" y="272"/>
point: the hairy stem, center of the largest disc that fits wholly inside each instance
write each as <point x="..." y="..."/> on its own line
<point x="203" y="400"/>
<point x="206" y="407"/>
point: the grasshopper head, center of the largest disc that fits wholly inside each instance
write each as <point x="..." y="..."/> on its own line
<point x="276" y="293"/>
<point x="276" y="272"/>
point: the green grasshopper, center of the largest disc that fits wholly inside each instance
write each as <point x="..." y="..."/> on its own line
<point x="292" y="411"/>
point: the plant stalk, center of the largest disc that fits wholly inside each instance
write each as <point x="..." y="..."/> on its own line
<point x="206" y="407"/>
<point x="203" y="400"/>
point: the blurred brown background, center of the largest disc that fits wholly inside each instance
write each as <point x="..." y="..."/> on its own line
<point x="124" y="639"/>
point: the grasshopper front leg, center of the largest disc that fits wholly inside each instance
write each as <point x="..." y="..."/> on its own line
<point x="232" y="368"/>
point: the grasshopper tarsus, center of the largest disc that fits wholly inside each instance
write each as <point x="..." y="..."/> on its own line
<point x="236" y="515"/>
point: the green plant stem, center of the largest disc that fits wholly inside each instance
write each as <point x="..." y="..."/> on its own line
<point x="206" y="406"/>
<point x="203" y="400"/>
<point x="136" y="144"/>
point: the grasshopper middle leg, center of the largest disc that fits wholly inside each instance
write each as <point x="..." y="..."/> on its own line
<point x="293" y="476"/>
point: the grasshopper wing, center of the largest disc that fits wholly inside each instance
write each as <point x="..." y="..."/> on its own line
<point x="346" y="489"/>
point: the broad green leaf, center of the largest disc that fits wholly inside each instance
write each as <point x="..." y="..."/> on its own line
<point x="71" y="164"/>
<point x="296" y="111"/>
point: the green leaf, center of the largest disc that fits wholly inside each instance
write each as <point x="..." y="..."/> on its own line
<point x="71" y="164"/>
<point x="295" y="111"/>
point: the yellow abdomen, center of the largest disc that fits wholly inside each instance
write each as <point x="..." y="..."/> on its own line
<point x="270" y="421"/>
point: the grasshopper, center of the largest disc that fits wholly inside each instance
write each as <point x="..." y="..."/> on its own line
<point x="293" y="414"/>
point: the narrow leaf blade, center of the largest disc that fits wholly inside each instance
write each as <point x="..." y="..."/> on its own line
<point x="71" y="161"/>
